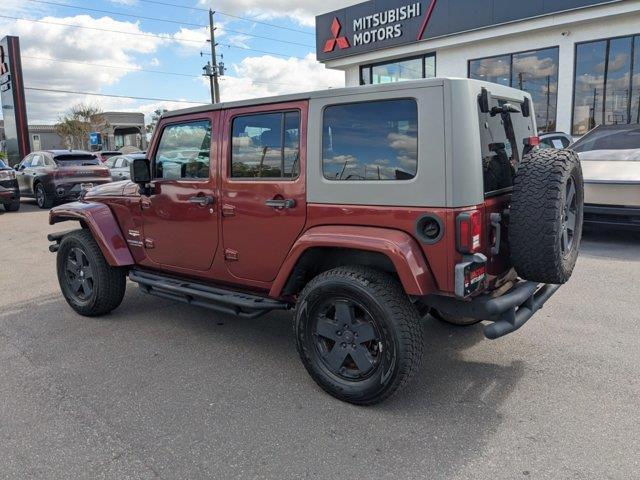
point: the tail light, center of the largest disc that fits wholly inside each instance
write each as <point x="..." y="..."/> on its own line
<point x="469" y="231"/>
<point x="532" y="141"/>
<point x="7" y="175"/>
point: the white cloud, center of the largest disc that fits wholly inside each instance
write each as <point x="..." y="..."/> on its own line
<point x="154" y="62"/>
<point x="267" y="75"/>
<point x="46" y="40"/>
<point x="302" y="11"/>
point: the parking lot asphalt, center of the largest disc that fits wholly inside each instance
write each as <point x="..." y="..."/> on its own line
<point x="162" y="390"/>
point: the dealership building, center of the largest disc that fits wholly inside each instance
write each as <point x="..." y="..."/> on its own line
<point x="579" y="59"/>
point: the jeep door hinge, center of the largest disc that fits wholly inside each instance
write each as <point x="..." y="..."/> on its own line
<point x="230" y="255"/>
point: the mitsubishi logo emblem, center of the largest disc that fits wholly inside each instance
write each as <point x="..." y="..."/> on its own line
<point x="342" y="42"/>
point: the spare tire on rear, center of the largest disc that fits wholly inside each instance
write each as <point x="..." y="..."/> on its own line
<point x="545" y="222"/>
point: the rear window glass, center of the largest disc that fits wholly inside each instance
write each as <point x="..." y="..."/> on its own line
<point x="620" y="137"/>
<point x="84" y="159"/>
<point x="370" y="140"/>
<point x="503" y="143"/>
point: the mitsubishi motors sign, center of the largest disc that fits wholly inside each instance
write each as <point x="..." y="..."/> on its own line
<point x="380" y="24"/>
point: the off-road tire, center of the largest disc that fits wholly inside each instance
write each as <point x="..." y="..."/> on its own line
<point x="538" y="215"/>
<point x="398" y="324"/>
<point x="453" y="319"/>
<point x="43" y="199"/>
<point x="13" y="206"/>
<point x="109" y="283"/>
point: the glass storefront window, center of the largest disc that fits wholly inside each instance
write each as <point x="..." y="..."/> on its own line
<point x="399" y="70"/>
<point x="588" y="86"/>
<point x="535" y="72"/>
<point x="616" y="109"/>
<point x="606" y="83"/>
<point x="494" y="69"/>
<point x="635" y="87"/>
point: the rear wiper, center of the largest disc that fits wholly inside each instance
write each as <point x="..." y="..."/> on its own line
<point x="506" y="108"/>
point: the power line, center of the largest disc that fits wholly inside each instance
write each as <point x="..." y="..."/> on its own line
<point x="60" y="60"/>
<point x="139" y="34"/>
<point x="156" y="19"/>
<point x="113" y="96"/>
<point x="246" y="19"/>
<point x="161" y="72"/>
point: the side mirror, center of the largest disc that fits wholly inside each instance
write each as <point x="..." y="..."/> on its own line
<point x="17" y="167"/>
<point x="140" y="171"/>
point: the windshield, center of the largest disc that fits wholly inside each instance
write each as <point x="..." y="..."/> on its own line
<point x="77" y="159"/>
<point x="621" y="142"/>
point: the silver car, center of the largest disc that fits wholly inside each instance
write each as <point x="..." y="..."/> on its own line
<point x="119" y="165"/>
<point x="610" y="157"/>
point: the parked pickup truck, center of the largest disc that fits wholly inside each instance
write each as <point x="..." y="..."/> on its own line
<point x="361" y="209"/>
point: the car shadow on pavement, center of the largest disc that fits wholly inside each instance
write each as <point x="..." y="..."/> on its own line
<point x="610" y="243"/>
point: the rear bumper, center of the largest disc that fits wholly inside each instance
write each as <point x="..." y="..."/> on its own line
<point x="70" y="189"/>
<point x="506" y="313"/>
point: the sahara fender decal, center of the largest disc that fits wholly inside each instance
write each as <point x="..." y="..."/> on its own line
<point x="398" y="246"/>
<point x="104" y="228"/>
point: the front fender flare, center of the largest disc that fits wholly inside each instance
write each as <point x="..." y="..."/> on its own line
<point x="103" y="226"/>
<point x="403" y="251"/>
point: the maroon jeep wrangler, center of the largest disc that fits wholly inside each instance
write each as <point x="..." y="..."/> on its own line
<point x="362" y="208"/>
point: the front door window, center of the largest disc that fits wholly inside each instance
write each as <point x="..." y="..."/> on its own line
<point x="180" y="216"/>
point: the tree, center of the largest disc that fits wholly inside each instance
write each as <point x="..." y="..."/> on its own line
<point x="155" y="117"/>
<point x="76" y="125"/>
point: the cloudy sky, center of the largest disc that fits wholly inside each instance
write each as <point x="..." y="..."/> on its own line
<point x="107" y="47"/>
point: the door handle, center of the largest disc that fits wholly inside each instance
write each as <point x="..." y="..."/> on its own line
<point x="281" y="203"/>
<point x="202" y="200"/>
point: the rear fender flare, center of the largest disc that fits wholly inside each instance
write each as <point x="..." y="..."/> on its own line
<point x="403" y="251"/>
<point x="103" y="226"/>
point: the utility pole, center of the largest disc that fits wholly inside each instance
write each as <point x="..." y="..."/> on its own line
<point x="548" y="100"/>
<point x="214" y="61"/>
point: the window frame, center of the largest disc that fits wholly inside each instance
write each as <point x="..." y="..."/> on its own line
<point x="365" y="181"/>
<point x="173" y="123"/>
<point x="282" y="112"/>
<point x="633" y="37"/>
<point x="423" y="57"/>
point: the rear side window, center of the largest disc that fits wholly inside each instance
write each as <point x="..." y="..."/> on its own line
<point x="370" y="141"/>
<point x="184" y="151"/>
<point x="266" y="145"/>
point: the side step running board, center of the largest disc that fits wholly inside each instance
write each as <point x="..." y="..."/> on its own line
<point x="218" y="299"/>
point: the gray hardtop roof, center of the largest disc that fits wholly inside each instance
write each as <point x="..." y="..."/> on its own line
<point x="332" y="92"/>
<point x="341" y="92"/>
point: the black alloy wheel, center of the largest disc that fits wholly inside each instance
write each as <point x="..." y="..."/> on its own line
<point x="89" y="284"/>
<point x="79" y="274"/>
<point x="346" y="338"/>
<point x="358" y="334"/>
<point x="569" y="218"/>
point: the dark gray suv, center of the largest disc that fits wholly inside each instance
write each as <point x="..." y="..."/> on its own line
<point x="53" y="176"/>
